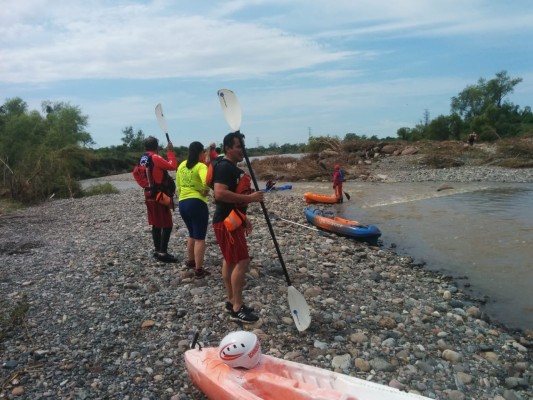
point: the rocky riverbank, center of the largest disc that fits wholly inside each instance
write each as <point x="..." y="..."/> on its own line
<point x="107" y="321"/>
<point x="405" y="169"/>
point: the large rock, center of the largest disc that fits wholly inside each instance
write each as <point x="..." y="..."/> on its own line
<point x="409" y="150"/>
<point x="388" y="149"/>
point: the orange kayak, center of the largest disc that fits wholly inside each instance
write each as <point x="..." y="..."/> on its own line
<point x="320" y="198"/>
<point x="277" y="379"/>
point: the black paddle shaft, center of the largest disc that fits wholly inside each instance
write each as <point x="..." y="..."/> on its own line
<point x="265" y="212"/>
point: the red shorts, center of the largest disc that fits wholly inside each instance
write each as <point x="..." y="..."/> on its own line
<point x="159" y="215"/>
<point x="232" y="244"/>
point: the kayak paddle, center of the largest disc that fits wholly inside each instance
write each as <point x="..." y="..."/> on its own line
<point x="232" y="112"/>
<point x="161" y="119"/>
<point x="347" y="196"/>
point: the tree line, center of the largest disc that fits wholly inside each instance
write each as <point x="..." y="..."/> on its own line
<point x="482" y="108"/>
<point x="46" y="153"/>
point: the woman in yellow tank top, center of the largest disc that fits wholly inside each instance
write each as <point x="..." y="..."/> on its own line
<point x="190" y="181"/>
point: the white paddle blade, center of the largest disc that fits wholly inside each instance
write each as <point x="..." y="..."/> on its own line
<point x="161" y="118"/>
<point x="299" y="309"/>
<point x="230" y="108"/>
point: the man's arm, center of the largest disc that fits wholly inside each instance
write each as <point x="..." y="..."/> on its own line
<point x="160" y="162"/>
<point x="223" y="194"/>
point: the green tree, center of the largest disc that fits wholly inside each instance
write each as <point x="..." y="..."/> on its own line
<point x="351" y="136"/>
<point x="133" y="141"/>
<point x="41" y="155"/>
<point x="439" y="128"/>
<point x="475" y="99"/>
<point x="404" y="133"/>
<point x="66" y="125"/>
<point x="499" y="87"/>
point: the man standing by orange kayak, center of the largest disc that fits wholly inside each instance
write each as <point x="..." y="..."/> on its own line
<point x="338" y="178"/>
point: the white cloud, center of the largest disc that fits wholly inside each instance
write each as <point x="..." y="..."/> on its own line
<point x="43" y="41"/>
<point x="135" y="42"/>
<point x="337" y="66"/>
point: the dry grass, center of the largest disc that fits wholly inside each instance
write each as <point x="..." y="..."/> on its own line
<point x="517" y="153"/>
<point x="290" y="169"/>
<point x="511" y="153"/>
<point x="308" y="168"/>
<point x="452" y="154"/>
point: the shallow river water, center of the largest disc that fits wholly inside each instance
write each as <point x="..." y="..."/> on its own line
<point x="481" y="231"/>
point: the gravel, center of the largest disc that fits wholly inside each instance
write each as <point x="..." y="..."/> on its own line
<point x="108" y="321"/>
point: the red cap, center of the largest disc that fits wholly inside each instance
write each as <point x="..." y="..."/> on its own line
<point x="337" y="166"/>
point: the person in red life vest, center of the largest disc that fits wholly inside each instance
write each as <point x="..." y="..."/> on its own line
<point x="211" y="153"/>
<point x="160" y="215"/>
<point x="337" y="182"/>
<point x="233" y="193"/>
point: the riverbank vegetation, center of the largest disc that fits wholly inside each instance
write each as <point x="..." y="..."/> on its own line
<point x="44" y="154"/>
<point x="482" y="108"/>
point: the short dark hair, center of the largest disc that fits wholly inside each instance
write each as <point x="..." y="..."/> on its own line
<point x="229" y="139"/>
<point x="151" y="143"/>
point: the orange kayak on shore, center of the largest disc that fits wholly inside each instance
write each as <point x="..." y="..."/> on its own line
<point x="320" y="198"/>
<point x="277" y="379"/>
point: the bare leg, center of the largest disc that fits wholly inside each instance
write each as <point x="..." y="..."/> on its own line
<point x="237" y="282"/>
<point x="199" y="252"/>
<point x="190" y="249"/>
<point x="227" y="271"/>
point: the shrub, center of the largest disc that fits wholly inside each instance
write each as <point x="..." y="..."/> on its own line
<point x="101" y="188"/>
<point x="488" y="135"/>
<point x="515" y="153"/>
<point x="13" y="315"/>
<point x="7" y="206"/>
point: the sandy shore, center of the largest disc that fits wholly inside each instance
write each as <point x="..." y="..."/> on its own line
<point x="85" y="268"/>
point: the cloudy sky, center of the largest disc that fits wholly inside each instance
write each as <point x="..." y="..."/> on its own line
<point x="318" y="67"/>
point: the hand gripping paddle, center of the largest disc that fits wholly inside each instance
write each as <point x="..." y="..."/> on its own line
<point x="299" y="308"/>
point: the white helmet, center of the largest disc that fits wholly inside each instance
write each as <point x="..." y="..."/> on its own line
<point x="240" y="349"/>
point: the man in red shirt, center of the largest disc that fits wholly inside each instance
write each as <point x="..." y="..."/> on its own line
<point x="160" y="215"/>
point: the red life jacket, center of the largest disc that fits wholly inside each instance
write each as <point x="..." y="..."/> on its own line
<point x="211" y="171"/>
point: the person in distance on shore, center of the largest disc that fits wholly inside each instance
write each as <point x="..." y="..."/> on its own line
<point x="472" y="137"/>
<point x="190" y="180"/>
<point x="337" y="183"/>
<point x="233" y="193"/>
<point x="160" y="215"/>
